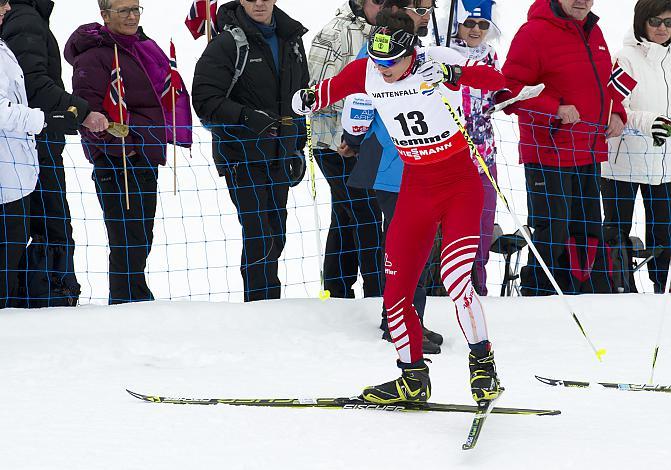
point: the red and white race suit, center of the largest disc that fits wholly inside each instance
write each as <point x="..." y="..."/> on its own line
<point x="440" y="185"/>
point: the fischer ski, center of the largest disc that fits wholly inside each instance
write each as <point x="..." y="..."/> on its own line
<point x="616" y="385"/>
<point x="354" y="403"/>
<point x="526" y="93"/>
<point x="484" y="409"/>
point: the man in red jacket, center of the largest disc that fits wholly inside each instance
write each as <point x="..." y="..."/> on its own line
<point x="563" y="139"/>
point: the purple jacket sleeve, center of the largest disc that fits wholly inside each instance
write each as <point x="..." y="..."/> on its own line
<point x="90" y="80"/>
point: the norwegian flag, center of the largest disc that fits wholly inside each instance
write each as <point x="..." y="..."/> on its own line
<point x="197" y="18"/>
<point x="111" y="101"/>
<point x="172" y="80"/>
<point x="621" y="82"/>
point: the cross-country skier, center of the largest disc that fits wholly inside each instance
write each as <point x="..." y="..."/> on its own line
<point x="440" y="185"/>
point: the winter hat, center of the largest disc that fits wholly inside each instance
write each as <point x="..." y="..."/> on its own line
<point x="475" y="9"/>
<point x="478" y="8"/>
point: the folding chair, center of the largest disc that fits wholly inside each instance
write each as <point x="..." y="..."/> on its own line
<point x="508" y="245"/>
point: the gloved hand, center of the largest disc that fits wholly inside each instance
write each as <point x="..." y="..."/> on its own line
<point x="260" y="122"/>
<point x="661" y="130"/>
<point x="296" y="169"/>
<point x="434" y="73"/>
<point x="303" y="102"/>
<point x="61" y="122"/>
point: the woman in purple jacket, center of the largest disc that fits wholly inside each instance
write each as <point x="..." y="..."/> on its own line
<point x="144" y="68"/>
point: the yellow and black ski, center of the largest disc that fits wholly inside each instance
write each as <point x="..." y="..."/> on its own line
<point x="627" y="387"/>
<point x="354" y="403"/>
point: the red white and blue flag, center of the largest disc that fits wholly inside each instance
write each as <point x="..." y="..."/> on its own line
<point x="172" y="81"/>
<point x="621" y="83"/>
<point x="197" y="18"/>
<point x="116" y="93"/>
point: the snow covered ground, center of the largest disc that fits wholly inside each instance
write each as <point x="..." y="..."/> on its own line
<point x="63" y="374"/>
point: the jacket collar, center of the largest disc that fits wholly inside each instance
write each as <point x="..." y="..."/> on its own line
<point x="651" y="50"/>
<point x="232" y="13"/>
<point x="353" y="12"/>
<point x="551" y="10"/>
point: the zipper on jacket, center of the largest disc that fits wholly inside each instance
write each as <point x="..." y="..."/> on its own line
<point x="598" y="82"/>
<point x="667" y="113"/>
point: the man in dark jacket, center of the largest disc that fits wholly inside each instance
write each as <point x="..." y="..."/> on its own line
<point x="255" y="154"/>
<point x="144" y="68"/>
<point x="50" y="272"/>
<point x="563" y="140"/>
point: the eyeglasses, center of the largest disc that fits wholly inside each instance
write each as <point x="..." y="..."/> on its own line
<point x="656" y="22"/>
<point x="125" y="12"/>
<point x="483" y="25"/>
<point x="378" y="2"/>
<point x="386" y="63"/>
<point x="420" y="11"/>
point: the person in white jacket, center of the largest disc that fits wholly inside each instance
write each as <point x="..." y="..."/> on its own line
<point x="19" y="167"/>
<point x="642" y="160"/>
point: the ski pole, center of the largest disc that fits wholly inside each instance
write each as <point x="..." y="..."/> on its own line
<point x="474" y="150"/>
<point x="323" y="294"/>
<point x="662" y="318"/>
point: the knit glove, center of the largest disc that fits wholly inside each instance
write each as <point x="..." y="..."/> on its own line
<point x="434" y="73"/>
<point x="661" y="130"/>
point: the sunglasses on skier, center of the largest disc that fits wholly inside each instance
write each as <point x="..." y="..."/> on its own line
<point x="386" y="63"/>
<point x="420" y="11"/>
<point x="483" y="25"/>
<point x="656" y="22"/>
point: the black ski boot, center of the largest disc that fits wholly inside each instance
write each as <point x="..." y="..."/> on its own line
<point x="413" y="385"/>
<point x="485" y="383"/>
<point x="435" y="338"/>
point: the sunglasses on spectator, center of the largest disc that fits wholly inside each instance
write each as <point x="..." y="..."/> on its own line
<point x="378" y="2"/>
<point x="125" y="12"/>
<point x="483" y="25"/>
<point x="656" y="22"/>
<point x="386" y="63"/>
<point x="420" y="11"/>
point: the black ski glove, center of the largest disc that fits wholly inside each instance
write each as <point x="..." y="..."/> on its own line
<point x="260" y="122"/>
<point x="61" y="122"/>
<point x="661" y="130"/>
<point x="296" y="169"/>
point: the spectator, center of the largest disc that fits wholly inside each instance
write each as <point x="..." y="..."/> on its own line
<point x="380" y="168"/>
<point x="50" y="275"/>
<point x="354" y="241"/>
<point x="144" y="68"/>
<point x="641" y="162"/>
<point x="471" y="41"/>
<point x="259" y="158"/>
<point x="19" y="165"/>
<point x="562" y="46"/>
